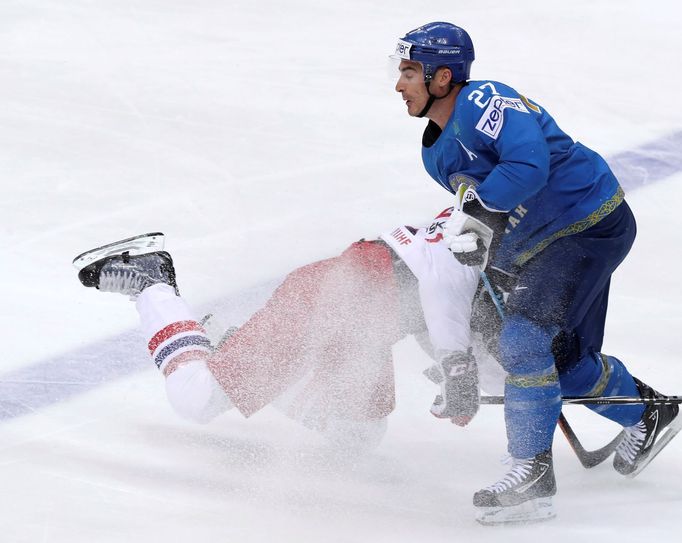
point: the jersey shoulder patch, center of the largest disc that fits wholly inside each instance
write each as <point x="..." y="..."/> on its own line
<point x="492" y="120"/>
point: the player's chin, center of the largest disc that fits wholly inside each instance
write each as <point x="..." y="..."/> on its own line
<point x="413" y="109"/>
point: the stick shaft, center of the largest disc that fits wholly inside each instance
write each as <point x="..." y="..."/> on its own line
<point x="598" y="400"/>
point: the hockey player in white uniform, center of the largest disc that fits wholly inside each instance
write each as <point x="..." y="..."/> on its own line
<point x="320" y="348"/>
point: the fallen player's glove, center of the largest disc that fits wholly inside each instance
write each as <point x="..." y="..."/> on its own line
<point x="470" y="230"/>
<point x="457" y="375"/>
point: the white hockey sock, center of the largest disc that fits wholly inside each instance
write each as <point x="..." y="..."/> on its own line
<point x="179" y="347"/>
<point x="194" y="393"/>
<point x="171" y="329"/>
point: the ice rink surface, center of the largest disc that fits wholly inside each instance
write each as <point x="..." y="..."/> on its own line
<point x="260" y="136"/>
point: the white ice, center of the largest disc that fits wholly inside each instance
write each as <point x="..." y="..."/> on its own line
<point x="259" y="136"/>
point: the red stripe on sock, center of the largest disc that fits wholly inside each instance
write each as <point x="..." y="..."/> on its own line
<point x="180" y="359"/>
<point x="171" y="330"/>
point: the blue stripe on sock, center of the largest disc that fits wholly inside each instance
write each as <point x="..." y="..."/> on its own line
<point x="186" y="341"/>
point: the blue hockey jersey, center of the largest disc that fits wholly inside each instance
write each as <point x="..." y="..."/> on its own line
<point x="521" y="162"/>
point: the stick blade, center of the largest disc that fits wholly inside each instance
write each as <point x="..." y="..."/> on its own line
<point x="588" y="459"/>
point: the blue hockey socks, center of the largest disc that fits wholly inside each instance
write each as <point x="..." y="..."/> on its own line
<point x="532" y="391"/>
<point x="597" y="374"/>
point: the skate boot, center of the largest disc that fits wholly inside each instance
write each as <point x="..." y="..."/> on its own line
<point x="643" y="441"/>
<point x="523" y="495"/>
<point x="129" y="274"/>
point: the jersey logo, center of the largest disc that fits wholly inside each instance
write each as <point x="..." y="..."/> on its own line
<point x="401" y="236"/>
<point x="445" y="213"/>
<point x="492" y="119"/>
<point x="436" y="227"/>
<point x="471" y="154"/>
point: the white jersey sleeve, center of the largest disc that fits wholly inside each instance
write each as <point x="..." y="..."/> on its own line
<point x="446" y="287"/>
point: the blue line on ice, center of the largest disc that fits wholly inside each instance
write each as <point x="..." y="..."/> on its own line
<point x="57" y="379"/>
<point x="649" y="163"/>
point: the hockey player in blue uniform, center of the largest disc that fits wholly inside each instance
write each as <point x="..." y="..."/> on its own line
<point x="537" y="207"/>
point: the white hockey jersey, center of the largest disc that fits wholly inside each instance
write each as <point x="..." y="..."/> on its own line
<point x="446" y="290"/>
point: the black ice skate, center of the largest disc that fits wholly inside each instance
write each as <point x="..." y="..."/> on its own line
<point x="129" y="267"/>
<point x="523" y="495"/>
<point x="643" y="441"/>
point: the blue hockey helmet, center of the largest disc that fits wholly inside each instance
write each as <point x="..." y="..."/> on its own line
<point x="437" y="45"/>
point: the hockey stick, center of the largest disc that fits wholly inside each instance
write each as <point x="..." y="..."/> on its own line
<point x="621" y="400"/>
<point x="491" y="291"/>
<point x="598" y="400"/>
<point x="588" y="459"/>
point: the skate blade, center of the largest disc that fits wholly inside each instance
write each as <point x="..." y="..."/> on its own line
<point x="537" y="510"/>
<point x="668" y="433"/>
<point x="137" y="245"/>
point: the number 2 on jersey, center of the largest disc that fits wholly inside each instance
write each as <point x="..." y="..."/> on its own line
<point x="477" y="95"/>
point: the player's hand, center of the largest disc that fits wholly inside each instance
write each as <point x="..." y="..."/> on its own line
<point x="457" y="375"/>
<point x="468" y="248"/>
<point x="467" y="238"/>
<point x="468" y="232"/>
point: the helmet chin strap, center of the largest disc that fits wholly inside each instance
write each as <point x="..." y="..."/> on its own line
<point x="432" y="98"/>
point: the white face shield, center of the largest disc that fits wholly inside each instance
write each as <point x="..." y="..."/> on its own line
<point x="393" y="69"/>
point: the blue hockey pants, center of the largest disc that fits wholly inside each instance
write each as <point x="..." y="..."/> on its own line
<point x="563" y="292"/>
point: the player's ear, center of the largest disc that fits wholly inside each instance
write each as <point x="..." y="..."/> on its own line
<point x="443" y="77"/>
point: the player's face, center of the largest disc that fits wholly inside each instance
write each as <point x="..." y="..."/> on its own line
<point x="411" y="86"/>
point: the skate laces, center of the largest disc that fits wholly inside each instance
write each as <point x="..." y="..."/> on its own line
<point x="632" y="441"/>
<point x="124" y="282"/>
<point x="520" y="470"/>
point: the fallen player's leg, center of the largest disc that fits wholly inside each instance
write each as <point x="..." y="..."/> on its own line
<point x="320" y="349"/>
